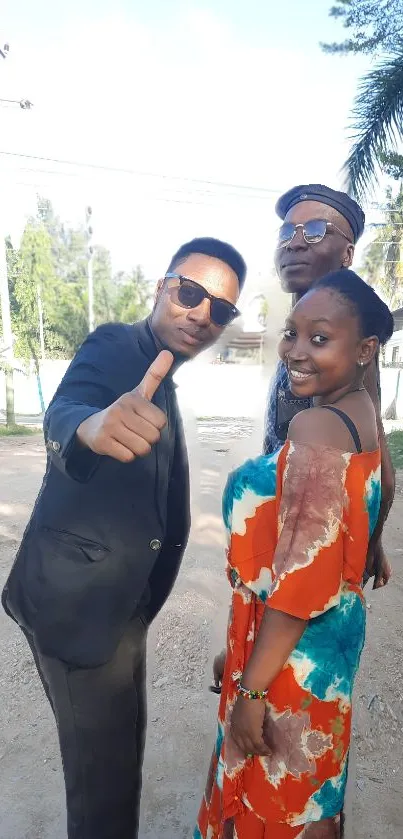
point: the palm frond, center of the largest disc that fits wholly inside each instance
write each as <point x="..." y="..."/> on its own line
<point x="377" y="122"/>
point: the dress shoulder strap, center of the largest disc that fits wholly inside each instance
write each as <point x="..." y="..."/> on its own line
<point x="349" y="423"/>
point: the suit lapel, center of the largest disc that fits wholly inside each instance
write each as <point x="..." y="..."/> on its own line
<point x="165" y="399"/>
<point x="165" y="447"/>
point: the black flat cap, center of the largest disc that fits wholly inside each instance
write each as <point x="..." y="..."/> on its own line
<point x="340" y="201"/>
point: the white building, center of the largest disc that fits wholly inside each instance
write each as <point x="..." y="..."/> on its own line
<point x="394" y="348"/>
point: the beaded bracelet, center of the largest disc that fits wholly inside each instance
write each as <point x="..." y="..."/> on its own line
<point x="251" y="694"/>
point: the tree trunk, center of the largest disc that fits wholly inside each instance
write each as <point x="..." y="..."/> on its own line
<point x="10" y="411"/>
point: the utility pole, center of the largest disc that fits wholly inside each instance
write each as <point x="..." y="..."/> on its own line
<point x="5" y="311"/>
<point x="8" y="351"/>
<point x="41" y="330"/>
<point x="90" y="265"/>
<point x="42" y="343"/>
<point x="5" y="295"/>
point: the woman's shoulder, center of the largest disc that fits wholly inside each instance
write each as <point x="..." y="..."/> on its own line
<point x="319" y="432"/>
<point x="320" y="427"/>
<point x="310" y="426"/>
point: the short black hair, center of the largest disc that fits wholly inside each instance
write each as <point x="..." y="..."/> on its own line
<point x="211" y="247"/>
<point x="374" y="315"/>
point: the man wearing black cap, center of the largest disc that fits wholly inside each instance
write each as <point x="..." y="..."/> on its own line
<point x="108" y="531"/>
<point x="319" y="232"/>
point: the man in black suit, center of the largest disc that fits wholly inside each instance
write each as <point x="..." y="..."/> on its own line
<point x="107" y="534"/>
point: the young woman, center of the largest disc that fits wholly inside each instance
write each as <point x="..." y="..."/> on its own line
<point x="299" y="523"/>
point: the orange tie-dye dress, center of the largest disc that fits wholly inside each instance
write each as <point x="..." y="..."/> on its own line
<point x="298" y="522"/>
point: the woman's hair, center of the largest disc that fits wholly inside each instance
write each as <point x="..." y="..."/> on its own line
<point x="374" y="316"/>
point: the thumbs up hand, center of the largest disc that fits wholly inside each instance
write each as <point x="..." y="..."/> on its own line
<point x="131" y="425"/>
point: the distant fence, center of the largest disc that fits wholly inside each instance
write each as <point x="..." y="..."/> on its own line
<point x="210" y="390"/>
<point x="205" y="390"/>
<point x="26" y="393"/>
<point x="392" y="392"/>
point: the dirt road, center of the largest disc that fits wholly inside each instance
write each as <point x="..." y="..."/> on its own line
<point x="181" y="711"/>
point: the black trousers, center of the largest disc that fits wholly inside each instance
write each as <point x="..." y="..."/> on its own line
<point x="101" y="720"/>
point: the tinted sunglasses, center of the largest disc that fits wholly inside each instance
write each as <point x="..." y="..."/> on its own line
<point x="313" y="231"/>
<point x="189" y="294"/>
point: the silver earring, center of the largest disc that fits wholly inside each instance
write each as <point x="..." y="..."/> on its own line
<point x="361" y="363"/>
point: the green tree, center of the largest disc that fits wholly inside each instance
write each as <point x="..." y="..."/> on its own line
<point x="52" y="261"/>
<point x="377" y="124"/>
<point x="104" y="288"/>
<point x="375" y="25"/>
<point x="377" y="116"/>
<point x="117" y="297"/>
<point x="35" y="277"/>
<point x="383" y="258"/>
<point x="70" y="301"/>
<point x="68" y="245"/>
<point x="392" y="164"/>
<point x="132" y="301"/>
<point x="31" y="278"/>
<point x="33" y="274"/>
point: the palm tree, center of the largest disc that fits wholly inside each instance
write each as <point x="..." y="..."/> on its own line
<point x="383" y="258"/>
<point x="377" y="122"/>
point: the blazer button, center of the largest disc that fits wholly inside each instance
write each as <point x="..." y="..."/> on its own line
<point x="56" y="446"/>
<point x="155" y="544"/>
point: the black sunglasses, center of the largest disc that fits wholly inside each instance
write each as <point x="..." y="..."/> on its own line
<point x="313" y="231"/>
<point x="189" y="294"/>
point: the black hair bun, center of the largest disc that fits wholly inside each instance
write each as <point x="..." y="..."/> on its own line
<point x="375" y="316"/>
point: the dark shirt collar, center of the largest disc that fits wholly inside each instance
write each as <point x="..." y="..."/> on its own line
<point x="146" y="340"/>
<point x="158" y="346"/>
<point x="151" y="346"/>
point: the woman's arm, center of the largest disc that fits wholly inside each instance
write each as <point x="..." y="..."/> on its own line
<point x="388" y="473"/>
<point x="279" y="634"/>
<point x="378" y="564"/>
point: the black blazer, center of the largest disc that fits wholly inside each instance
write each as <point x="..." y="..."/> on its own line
<point x="103" y="536"/>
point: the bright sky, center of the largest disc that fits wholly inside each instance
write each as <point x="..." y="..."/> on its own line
<point x="220" y="91"/>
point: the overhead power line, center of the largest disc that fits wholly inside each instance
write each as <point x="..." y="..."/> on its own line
<point x="128" y="171"/>
<point x="198" y="192"/>
<point x="259" y="192"/>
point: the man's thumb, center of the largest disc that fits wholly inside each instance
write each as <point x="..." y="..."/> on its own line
<point x="155" y="374"/>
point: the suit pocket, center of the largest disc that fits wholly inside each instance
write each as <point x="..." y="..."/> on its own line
<point x="83" y="595"/>
<point x="91" y="551"/>
<point x="62" y="569"/>
<point x="55" y="572"/>
<point x="75" y="595"/>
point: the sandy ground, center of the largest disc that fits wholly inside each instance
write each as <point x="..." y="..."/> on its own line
<point x="182" y="641"/>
